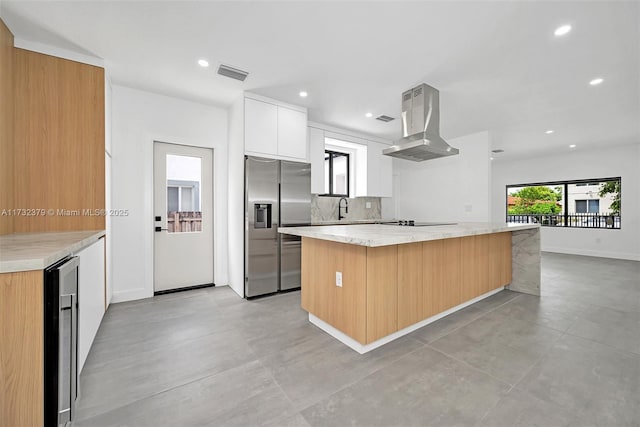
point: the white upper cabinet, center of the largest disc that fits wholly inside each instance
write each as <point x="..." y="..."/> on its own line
<point x="379" y="171"/>
<point x="316" y="158"/>
<point x="275" y="130"/>
<point x="260" y="127"/>
<point x="292" y="133"/>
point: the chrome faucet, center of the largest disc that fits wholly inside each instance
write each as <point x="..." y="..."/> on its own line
<point x="346" y="208"/>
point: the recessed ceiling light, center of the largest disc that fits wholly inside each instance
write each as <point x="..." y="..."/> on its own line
<point x="490" y="158"/>
<point x="562" y="30"/>
<point x="572" y="146"/>
<point x="203" y="63"/>
<point x="368" y="115"/>
<point x="549" y="131"/>
<point x="303" y="94"/>
<point x="597" y="81"/>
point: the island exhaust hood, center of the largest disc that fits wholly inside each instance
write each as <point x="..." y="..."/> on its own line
<point x="420" y="127"/>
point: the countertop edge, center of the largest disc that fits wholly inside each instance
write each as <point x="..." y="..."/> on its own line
<point x="30" y="264"/>
<point x="385" y="240"/>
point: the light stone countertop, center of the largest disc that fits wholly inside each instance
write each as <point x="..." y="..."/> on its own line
<point x="383" y="235"/>
<point x="37" y="251"/>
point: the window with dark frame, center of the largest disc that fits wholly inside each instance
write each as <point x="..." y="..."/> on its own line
<point x="585" y="203"/>
<point x="336" y="174"/>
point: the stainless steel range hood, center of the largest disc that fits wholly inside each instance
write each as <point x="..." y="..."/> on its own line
<point x="420" y="127"/>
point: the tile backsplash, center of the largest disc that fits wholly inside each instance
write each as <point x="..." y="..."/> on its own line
<point x="326" y="208"/>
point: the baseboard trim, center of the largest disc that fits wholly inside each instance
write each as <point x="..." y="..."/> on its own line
<point x="130" y="295"/>
<point x="365" y="348"/>
<point x="597" y="254"/>
<point x="187" y="288"/>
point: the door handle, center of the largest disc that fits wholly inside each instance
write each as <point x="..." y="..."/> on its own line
<point x="158" y="229"/>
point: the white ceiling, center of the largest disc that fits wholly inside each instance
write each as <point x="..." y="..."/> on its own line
<point x="497" y="65"/>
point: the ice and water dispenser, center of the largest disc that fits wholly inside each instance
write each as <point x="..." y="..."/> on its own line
<point x="262" y="215"/>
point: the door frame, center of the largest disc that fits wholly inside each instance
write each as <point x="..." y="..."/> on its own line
<point x="149" y="204"/>
<point x="213" y="230"/>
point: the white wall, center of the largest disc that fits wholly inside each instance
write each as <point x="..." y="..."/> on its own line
<point x="139" y="118"/>
<point x="236" y="197"/>
<point x="108" y="92"/>
<point x="623" y="161"/>
<point x="455" y="188"/>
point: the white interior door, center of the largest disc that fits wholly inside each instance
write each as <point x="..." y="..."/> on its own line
<point x="183" y="209"/>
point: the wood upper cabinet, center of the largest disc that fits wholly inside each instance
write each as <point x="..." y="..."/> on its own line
<point x="274" y="130"/>
<point x="7" y="136"/>
<point x="59" y="143"/>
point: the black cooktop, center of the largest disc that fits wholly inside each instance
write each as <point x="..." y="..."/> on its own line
<point x="412" y="223"/>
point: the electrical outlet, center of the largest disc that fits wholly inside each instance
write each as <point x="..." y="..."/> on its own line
<point x="339" y="278"/>
<point x="367" y="205"/>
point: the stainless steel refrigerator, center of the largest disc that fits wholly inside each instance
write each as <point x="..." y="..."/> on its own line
<point x="277" y="194"/>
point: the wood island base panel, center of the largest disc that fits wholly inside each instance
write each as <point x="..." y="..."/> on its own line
<point x="365" y="348"/>
<point x="385" y="292"/>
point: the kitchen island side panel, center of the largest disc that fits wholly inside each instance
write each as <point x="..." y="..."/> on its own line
<point x="499" y="260"/>
<point x="452" y="268"/>
<point x="475" y="272"/>
<point x="21" y="349"/>
<point x="342" y="307"/>
<point x="382" y="292"/>
<point x="433" y="278"/>
<point x="525" y="262"/>
<point x="389" y="288"/>
<point x="411" y="303"/>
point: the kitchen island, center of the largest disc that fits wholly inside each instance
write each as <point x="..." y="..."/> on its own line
<point x="369" y="284"/>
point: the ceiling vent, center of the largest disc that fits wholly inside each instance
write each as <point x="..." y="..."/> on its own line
<point x="499" y="150"/>
<point x="384" y="118"/>
<point x="233" y="73"/>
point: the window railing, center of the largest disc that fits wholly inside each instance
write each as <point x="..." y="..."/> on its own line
<point x="574" y="220"/>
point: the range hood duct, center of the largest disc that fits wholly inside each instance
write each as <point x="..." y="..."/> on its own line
<point x="420" y="127"/>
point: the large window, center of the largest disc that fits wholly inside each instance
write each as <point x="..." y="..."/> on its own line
<point x="587" y="203"/>
<point x="336" y="173"/>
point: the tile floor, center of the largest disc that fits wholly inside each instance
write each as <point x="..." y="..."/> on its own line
<point x="207" y="357"/>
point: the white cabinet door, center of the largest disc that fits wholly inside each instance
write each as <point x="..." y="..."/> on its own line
<point x="379" y="171"/>
<point x="292" y="134"/>
<point x="260" y="127"/>
<point x="91" y="303"/>
<point x="316" y="158"/>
